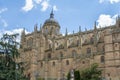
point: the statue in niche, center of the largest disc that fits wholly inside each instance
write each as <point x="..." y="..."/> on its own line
<point x="71" y="74"/>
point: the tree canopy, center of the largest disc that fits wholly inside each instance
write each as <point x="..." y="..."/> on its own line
<point x="10" y="69"/>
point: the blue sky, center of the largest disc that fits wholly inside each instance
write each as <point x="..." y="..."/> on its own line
<point x="18" y="14"/>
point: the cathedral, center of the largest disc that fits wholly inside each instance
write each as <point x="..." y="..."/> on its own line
<point x="49" y="55"/>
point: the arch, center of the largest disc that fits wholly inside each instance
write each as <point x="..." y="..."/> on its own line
<point x="50" y="44"/>
<point x="49" y="56"/>
<point x="30" y="42"/>
<point x="41" y="64"/>
<point x="53" y="63"/>
<point x="103" y="48"/>
<point x="61" y="54"/>
<point x="67" y="62"/>
<point x="88" y="50"/>
<point x="74" y="53"/>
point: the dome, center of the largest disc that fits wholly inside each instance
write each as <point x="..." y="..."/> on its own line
<point x="51" y="20"/>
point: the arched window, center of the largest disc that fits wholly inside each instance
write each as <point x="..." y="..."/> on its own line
<point x="61" y="54"/>
<point x="88" y="50"/>
<point x="103" y="48"/>
<point x="102" y="59"/>
<point x="41" y="64"/>
<point x="83" y="62"/>
<point x="50" y="46"/>
<point x="49" y="55"/>
<point x="53" y="63"/>
<point x="74" y="53"/>
<point x="67" y="62"/>
<point x="92" y="40"/>
<point x="46" y="31"/>
<point x="30" y="42"/>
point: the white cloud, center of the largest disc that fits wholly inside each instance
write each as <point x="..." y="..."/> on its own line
<point x="55" y="8"/>
<point x="106" y="20"/>
<point x="3" y="10"/>
<point x="14" y="31"/>
<point x="111" y="1"/>
<point x="38" y="1"/>
<point x="3" y="22"/>
<point x="28" y="5"/>
<point x="45" y="5"/>
<point x="114" y="1"/>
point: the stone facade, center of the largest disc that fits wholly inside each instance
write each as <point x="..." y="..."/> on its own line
<point x="48" y="54"/>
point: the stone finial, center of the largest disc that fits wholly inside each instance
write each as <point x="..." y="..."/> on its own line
<point x="23" y="32"/>
<point x="35" y="28"/>
<point x="95" y="27"/>
<point x="41" y="28"/>
<point x="79" y="29"/>
<point x="23" y="35"/>
<point x="118" y="21"/>
<point x="66" y="32"/>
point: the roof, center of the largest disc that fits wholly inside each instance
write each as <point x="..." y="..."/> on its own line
<point x="51" y="20"/>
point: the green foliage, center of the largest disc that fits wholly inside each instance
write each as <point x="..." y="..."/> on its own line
<point x="8" y="55"/>
<point x="68" y="76"/>
<point x="77" y="75"/>
<point x="90" y="73"/>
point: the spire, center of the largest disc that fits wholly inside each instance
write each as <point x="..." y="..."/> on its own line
<point x="95" y="25"/>
<point x="41" y="28"/>
<point x="66" y="32"/>
<point x="23" y="36"/>
<point x="35" y="28"/>
<point x="23" y="32"/>
<point x="118" y="21"/>
<point x="79" y="29"/>
<point x="52" y="14"/>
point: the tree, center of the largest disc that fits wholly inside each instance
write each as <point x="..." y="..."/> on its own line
<point x="90" y="73"/>
<point x="68" y="76"/>
<point x="9" y="68"/>
<point x="77" y="75"/>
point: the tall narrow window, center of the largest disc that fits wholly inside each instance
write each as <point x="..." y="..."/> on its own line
<point x="102" y="59"/>
<point x="53" y="63"/>
<point x="74" y="53"/>
<point x="61" y="54"/>
<point x="41" y="64"/>
<point x="30" y="42"/>
<point x="103" y="48"/>
<point x="67" y="62"/>
<point x="49" y="55"/>
<point x="88" y="50"/>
